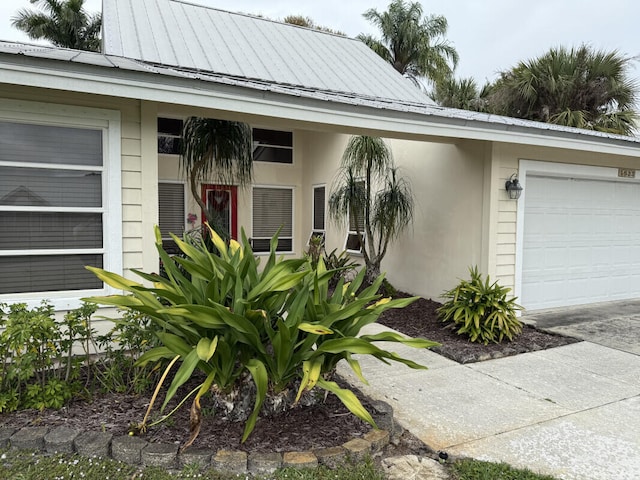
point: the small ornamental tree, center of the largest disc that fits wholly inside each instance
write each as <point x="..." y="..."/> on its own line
<point x="370" y="195"/>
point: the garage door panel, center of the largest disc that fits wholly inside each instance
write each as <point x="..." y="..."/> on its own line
<point x="581" y="241"/>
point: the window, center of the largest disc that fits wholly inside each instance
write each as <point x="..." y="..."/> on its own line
<point x="354" y="242"/>
<point x="318" y="214"/>
<point x="171" y="213"/>
<point x="169" y="135"/>
<point x="59" y="201"/>
<point x="272" y="146"/>
<point x="272" y="210"/>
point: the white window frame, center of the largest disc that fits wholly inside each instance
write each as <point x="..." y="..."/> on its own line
<point x="293" y="218"/>
<point x="109" y="122"/>
<point x="282" y="147"/>
<point x="184" y="201"/>
<point x="316" y="231"/>
<point x="167" y="135"/>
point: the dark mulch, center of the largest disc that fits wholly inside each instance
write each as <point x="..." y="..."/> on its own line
<point x="302" y="428"/>
<point x="420" y="319"/>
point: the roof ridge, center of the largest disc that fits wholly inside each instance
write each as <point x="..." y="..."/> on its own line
<point x="266" y="19"/>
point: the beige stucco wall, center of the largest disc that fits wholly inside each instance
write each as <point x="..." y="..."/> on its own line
<point x="446" y="236"/>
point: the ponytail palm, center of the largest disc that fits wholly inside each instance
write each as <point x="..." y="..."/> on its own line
<point x="370" y="194"/>
<point x="218" y="151"/>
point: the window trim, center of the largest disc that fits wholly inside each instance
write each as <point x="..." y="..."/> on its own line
<point x="293" y="218"/>
<point x="109" y="122"/>
<point x="282" y="147"/>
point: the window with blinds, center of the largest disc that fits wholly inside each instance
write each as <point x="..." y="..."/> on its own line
<point x="272" y="210"/>
<point x="51" y="207"/>
<point x="171" y="213"/>
<point x="318" y="213"/>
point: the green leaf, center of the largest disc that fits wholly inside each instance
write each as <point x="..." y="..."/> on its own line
<point x="189" y="363"/>
<point x="154" y="355"/>
<point x="315" y="329"/>
<point x="206" y="348"/>
<point x="261" y="380"/>
<point x="355" y="366"/>
<point x="395" y="337"/>
<point x="311" y="373"/>
<point x="348" y="398"/>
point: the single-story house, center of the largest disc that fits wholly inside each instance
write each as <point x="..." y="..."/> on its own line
<point x="88" y="161"/>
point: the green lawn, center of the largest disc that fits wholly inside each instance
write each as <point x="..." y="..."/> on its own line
<point x="27" y="466"/>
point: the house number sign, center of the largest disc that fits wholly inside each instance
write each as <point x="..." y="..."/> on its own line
<point x="626" y="173"/>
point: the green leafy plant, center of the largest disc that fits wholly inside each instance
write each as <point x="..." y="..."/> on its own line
<point x="341" y="264"/>
<point x="481" y="310"/>
<point x="221" y="314"/>
<point x="116" y="369"/>
<point x="37" y="363"/>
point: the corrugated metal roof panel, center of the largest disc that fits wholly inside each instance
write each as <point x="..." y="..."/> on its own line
<point x="431" y="112"/>
<point x="179" y="34"/>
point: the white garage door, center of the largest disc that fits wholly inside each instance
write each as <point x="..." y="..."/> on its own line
<point x="581" y="242"/>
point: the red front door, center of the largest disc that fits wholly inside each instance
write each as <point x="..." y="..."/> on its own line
<point x="222" y="206"/>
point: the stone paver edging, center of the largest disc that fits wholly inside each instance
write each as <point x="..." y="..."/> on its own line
<point x="137" y="451"/>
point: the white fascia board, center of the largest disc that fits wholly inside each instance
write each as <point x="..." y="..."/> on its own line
<point x="209" y="95"/>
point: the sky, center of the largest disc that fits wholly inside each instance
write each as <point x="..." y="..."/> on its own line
<point x="489" y="35"/>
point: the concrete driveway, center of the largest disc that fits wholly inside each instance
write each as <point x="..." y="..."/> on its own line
<point x="612" y="324"/>
<point x="572" y="412"/>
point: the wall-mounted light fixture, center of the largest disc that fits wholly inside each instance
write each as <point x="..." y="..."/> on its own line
<point x="513" y="187"/>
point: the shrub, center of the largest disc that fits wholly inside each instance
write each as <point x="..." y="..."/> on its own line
<point x="38" y="368"/>
<point x="231" y="320"/>
<point x="481" y="310"/>
<point x="116" y="370"/>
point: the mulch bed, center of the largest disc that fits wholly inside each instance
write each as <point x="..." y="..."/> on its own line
<point x="420" y="319"/>
<point x="302" y="428"/>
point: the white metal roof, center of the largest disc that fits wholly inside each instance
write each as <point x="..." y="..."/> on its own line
<point x="194" y="37"/>
<point x="20" y="57"/>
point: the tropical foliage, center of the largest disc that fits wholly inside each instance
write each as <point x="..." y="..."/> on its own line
<point x="579" y="87"/>
<point x="415" y="46"/>
<point x="370" y="195"/>
<point x="215" y="150"/>
<point x="65" y="23"/>
<point x="460" y="93"/>
<point x="222" y="315"/>
<point x="308" y="22"/>
<point x="481" y="310"/>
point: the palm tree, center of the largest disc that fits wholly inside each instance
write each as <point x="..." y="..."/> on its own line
<point x="416" y="47"/>
<point x="64" y="23"/>
<point x="380" y="215"/>
<point x="580" y="87"/>
<point x="460" y="93"/>
<point x="220" y="151"/>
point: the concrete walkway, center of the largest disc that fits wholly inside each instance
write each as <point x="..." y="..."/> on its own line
<point x="572" y="412"/>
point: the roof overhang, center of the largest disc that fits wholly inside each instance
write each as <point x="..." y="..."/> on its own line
<point x="312" y="112"/>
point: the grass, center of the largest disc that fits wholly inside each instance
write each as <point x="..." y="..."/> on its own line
<point x="477" y="470"/>
<point x="28" y="466"/>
